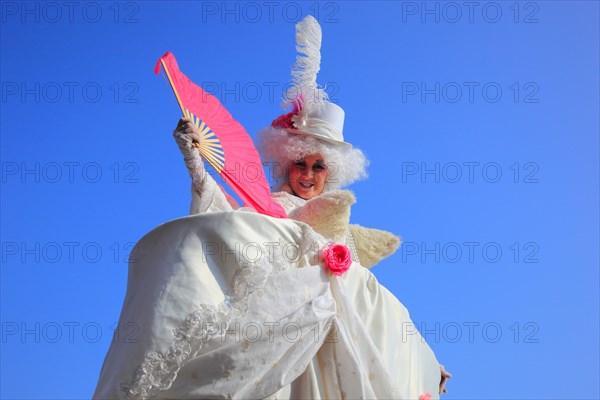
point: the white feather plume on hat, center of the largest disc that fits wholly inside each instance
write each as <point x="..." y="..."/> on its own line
<point x="308" y="63"/>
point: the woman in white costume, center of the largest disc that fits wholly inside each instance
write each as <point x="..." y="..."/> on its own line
<point x="195" y="303"/>
<point x="310" y="160"/>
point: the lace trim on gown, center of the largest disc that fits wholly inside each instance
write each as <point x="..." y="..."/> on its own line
<point x="288" y="201"/>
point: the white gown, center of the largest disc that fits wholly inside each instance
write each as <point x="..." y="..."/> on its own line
<point x="234" y="304"/>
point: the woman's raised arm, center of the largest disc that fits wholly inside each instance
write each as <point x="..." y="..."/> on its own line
<point x="206" y="194"/>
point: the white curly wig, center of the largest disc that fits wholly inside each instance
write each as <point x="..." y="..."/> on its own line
<point x="280" y="149"/>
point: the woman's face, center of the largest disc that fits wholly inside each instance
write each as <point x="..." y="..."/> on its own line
<point x="307" y="176"/>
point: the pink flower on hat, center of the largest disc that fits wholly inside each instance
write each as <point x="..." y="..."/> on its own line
<point x="337" y="258"/>
<point x="286" y="120"/>
<point x="425" y="396"/>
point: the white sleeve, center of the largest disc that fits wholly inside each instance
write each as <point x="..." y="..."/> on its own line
<point x="207" y="196"/>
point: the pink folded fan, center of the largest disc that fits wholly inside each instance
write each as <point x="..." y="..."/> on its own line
<point x="225" y="144"/>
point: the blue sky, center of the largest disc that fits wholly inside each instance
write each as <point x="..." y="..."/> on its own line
<point x="480" y="120"/>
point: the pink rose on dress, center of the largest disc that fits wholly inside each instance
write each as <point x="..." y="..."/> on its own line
<point x="337" y="258"/>
<point x="425" y="396"/>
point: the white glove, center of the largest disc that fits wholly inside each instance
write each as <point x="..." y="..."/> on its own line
<point x="184" y="135"/>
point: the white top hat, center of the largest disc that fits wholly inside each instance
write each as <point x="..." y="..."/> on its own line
<point x="324" y="121"/>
